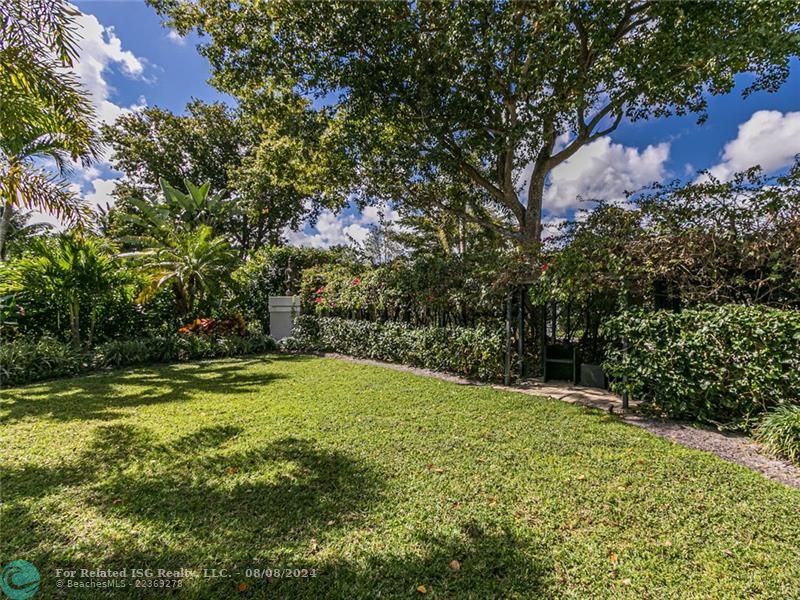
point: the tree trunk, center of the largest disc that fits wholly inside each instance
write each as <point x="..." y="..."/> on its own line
<point x="181" y="302"/>
<point x="75" y="322"/>
<point x="531" y="228"/>
<point x="5" y="224"/>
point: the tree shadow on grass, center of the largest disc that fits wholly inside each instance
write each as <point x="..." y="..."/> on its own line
<point x="490" y="564"/>
<point x="213" y="504"/>
<point x="103" y="396"/>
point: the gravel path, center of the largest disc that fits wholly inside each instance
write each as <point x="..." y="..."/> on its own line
<point x="734" y="448"/>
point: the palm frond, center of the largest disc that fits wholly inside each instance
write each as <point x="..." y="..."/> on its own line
<point x="35" y="189"/>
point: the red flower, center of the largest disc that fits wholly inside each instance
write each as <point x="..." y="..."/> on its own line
<point x="356" y="281"/>
<point x="318" y="300"/>
<point x="546" y="266"/>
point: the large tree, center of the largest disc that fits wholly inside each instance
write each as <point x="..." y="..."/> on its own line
<point x="490" y="95"/>
<point x="255" y="161"/>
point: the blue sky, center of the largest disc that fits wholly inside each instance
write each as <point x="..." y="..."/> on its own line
<point x="128" y="60"/>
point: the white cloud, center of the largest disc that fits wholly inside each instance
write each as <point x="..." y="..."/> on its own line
<point x="333" y="230"/>
<point x="101" y="193"/>
<point x="356" y="232"/>
<point x="176" y="38"/>
<point x="100" y="50"/>
<point x="603" y="170"/>
<point x="88" y="173"/>
<point x="768" y="138"/>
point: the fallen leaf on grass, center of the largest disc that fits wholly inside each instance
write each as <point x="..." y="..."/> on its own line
<point x="455" y="565"/>
<point x="422" y="589"/>
<point x="581" y="477"/>
<point x="232" y="470"/>
<point x="613" y="558"/>
<point x="434" y="469"/>
<point x="242" y="587"/>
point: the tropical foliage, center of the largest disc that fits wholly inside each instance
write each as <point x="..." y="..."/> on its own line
<point x="69" y="275"/>
<point x="44" y="113"/>
<point x="178" y="246"/>
<point x="259" y="163"/>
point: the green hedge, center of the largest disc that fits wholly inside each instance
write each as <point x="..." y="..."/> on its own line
<point x="472" y="352"/>
<point x="24" y="361"/>
<point x="725" y="365"/>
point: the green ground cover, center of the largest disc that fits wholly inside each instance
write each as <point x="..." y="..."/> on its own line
<point x="375" y="481"/>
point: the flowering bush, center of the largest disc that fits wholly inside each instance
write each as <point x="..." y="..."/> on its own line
<point x="424" y="290"/>
<point x="230" y="325"/>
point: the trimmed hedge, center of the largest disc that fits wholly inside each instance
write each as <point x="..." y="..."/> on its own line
<point x="724" y="365"/>
<point x="26" y="361"/>
<point x="472" y="352"/>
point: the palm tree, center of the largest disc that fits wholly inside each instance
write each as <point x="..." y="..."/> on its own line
<point x="193" y="262"/>
<point x="70" y="272"/>
<point x="178" y="245"/>
<point x="44" y="113"/>
<point x="21" y="233"/>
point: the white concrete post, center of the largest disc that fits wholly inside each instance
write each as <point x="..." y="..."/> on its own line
<point x="282" y="311"/>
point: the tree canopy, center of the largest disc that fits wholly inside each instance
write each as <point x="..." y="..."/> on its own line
<point x="487" y="96"/>
<point x="262" y="163"/>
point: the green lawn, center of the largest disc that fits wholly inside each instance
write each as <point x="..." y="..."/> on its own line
<point x="377" y="480"/>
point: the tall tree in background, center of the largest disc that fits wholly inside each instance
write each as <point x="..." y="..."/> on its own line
<point x="44" y="113"/>
<point x="260" y="163"/>
<point x="490" y="95"/>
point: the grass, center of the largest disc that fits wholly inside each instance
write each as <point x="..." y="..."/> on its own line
<point x="377" y="480"/>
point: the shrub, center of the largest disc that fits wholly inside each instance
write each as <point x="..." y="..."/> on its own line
<point x="179" y="348"/>
<point x="723" y="365"/>
<point x="265" y="273"/>
<point x="779" y="431"/>
<point x="25" y="362"/>
<point x="473" y="352"/>
<point x="424" y="290"/>
<point x="233" y="324"/>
